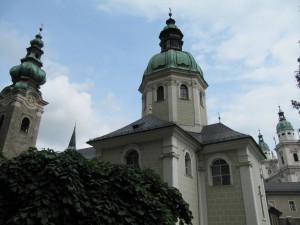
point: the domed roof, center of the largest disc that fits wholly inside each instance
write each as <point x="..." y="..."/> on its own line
<point x="29" y="75"/>
<point x="283" y="124"/>
<point x="171" y="55"/>
<point x="173" y="59"/>
<point x="262" y="144"/>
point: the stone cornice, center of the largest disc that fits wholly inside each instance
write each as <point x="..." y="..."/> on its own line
<point x="169" y="155"/>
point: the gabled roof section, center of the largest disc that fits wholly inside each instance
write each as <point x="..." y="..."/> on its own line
<point x="148" y="122"/>
<point x="87" y="153"/>
<point x="282" y="187"/>
<point x="216" y="133"/>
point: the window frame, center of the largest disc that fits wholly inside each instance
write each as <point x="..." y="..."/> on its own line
<point x="220" y="172"/>
<point x="281" y="157"/>
<point x="292" y="206"/>
<point x="296" y="157"/>
<point x="128" y="150"/>
<point x="160" y="93"/>
<point x="2" y="118"/>
<point x="185" y="95"/>
<point x="134" y="156"/>
<point x="210" y="161"/>
<point x="187" y="164"/>
<point x="201" y="99"/>
<point x="25" y="127"/>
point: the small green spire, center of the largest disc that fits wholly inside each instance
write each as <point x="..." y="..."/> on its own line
<point x="72" y="143"/>
<point x="264" y="146"/>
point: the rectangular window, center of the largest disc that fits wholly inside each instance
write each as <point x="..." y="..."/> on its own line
<point x="292" y="206"/>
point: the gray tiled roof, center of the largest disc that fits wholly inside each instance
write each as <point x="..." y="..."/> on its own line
<point x="87" y="152"/>
<point x="217" y="132"/>
<point x="148" y="122"/>
<point x="282" y="187"/>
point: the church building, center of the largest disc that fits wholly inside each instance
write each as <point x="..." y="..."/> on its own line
<point x="217" y="169"/>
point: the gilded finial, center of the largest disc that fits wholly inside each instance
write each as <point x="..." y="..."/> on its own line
<point x="219" y="117"/>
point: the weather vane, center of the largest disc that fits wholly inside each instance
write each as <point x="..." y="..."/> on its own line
<point x="219" y="117"/>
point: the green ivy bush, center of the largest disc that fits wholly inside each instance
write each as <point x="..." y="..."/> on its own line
<point x="46" y="187"/>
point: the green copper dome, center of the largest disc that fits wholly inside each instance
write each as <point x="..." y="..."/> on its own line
<point x="171" y="55"/>
<point x="283" y="124"/>
<point x="262" y="144"/>
<point x="173" y="59"/>
<point x="29" y="75"/>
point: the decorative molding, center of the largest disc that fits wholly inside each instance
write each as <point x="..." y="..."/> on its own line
<point x="293" y="151"/>
<point x="169" y="155"/>
<point x="247" y="163"/>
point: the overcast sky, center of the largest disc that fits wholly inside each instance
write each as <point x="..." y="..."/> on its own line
<point x="97" y="50"/>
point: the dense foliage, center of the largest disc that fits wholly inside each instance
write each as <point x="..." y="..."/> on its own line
<point x="46" y="187"/>
<point x="296" y="104"/>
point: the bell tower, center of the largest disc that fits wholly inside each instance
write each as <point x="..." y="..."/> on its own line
<point x="287" y="150"/>
<point x="173" y="85"/>
<point x="21" y="103"/>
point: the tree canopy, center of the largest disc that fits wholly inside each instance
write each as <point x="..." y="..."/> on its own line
<point x="296" y="104"/>
<point x="46" y="187"/>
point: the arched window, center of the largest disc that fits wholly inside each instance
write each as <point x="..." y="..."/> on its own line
<point x="201" y="99"/>
<point x="160" y="93"/>
<point x="1" y="121"/>
<point x="144" y="101"/>
<point x="132" y="158"/>
<point x="25" y="125"/>
<point x="296" y="158"/>
<point x="220" y="172"/>
<point x="281" y="156"/>
<point x="188" y="164"/>
<point x="184" y="92"/>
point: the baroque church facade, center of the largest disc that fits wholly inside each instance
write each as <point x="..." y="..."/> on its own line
<point x="217" y="169"/>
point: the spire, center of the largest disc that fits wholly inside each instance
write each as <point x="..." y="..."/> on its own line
<point x="72" y="143"/>
<point x="29" y="75"/>
<point x="281" y="114"/>
<point x="170" y="37"/>
<point x="260" y="137"/>
<point x="283" y="124"/>
<point x="264" y="146"/>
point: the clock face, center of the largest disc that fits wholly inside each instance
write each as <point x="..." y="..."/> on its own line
<point x="31" y="99"/>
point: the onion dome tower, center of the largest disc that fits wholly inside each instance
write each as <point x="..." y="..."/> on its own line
<point x="21" y="104"/>
<point x="284" y="128"/>
<point x="173" y="85"/>
<point x="287" y="150"/>
<point x="264" y="146"/>
<point x="29" y="75"/>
